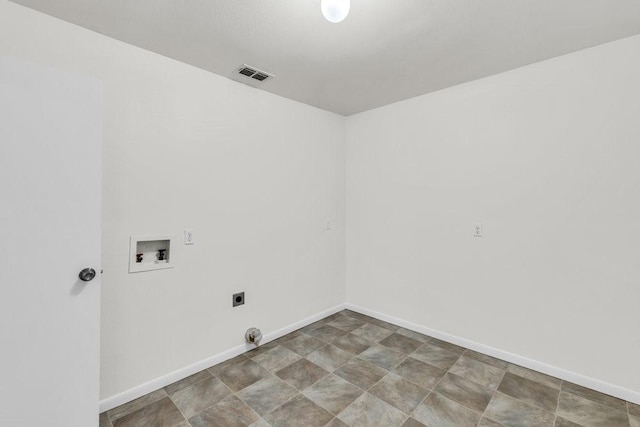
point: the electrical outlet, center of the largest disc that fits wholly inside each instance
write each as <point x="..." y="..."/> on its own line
<point x="189" y="237"/>
<point x="328" y="225"/>
<point x="477" y="230"/>
<point x="238" y="299"/>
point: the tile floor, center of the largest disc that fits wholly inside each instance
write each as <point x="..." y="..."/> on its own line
<point x="353" y="370"/>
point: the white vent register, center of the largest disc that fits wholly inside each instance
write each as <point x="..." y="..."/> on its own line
<point x="254" y="73"/>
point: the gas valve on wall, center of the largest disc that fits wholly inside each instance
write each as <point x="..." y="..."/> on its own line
<point x="253" y="336"/>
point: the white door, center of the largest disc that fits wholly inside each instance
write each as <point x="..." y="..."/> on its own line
<point x="50" y="171"/>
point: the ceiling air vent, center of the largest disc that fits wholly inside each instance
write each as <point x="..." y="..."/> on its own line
<point x="254" y="73"/>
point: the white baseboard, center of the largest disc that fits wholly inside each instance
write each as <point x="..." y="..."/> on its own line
<point x="155" y="384"/>
<point x="592" y="383"/>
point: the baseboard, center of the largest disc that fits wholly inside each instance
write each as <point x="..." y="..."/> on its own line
<point x="592" y="383"/>
<point x="165" y="380"/>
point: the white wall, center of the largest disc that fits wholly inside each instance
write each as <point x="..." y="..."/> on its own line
<point x="547" y="158"/>
<point x="254" y="174"/>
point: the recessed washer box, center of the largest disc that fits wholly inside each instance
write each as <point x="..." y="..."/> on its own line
<point x="148" y="253"/>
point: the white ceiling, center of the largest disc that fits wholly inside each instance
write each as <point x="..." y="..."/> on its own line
<point x="385" y="51"/>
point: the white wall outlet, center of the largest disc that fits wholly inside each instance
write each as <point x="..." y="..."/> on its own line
<point x="189" y="237"/>
<point x="477" y="230"/>
<point x="328" y="225"/>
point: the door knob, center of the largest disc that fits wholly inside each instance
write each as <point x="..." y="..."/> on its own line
<point x="87" y="274"/>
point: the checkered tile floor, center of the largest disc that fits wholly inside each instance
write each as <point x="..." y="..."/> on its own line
<point x="354" y="370"/>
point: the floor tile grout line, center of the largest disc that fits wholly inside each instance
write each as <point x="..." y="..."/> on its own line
<point x="432" y="391"/>
<point x="253" y="410"/>
<point x="626" y="402"/>
<point x="504" y="373"/>
<point x="204" y="409"/>
<point x="558" y="399"/>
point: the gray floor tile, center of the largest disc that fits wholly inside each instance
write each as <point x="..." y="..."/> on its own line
<point x="530" y="392"/>
<point x="589" y="413"/>
<point x="369" y="411"/>
<point x="413" y="335"/>
<point x="486" y="422"/>
<point x="511" y="412"/>
<point x="603" y="399"/>
<point x="288" y="337"/>
<point x="333" y="393"/>
<point x="299" y="411"/>
<point x="243" y="374"/>
<point x="492" y="361"/>
<point x="313" y="326"/>
<point x="356" y="315"/>
<point x="352" y="344"/>
<point x="361" y="373"/>
<point x="262" y="348"/>
<point x="326" y="333"/>
<point x="561" y="422"/>
<point x="477" y="372"/>
<point x="435" y="356"/>
<point x="304" y="344"/>
<point x="260" y="423"/>
<point x="301" y="374"/>
<point x="214" y="370"/>
<point x="383" y="324"/>
<point x="465" y="392"/>
<point x="420" y="373"/>
<point x="330" y="357"/>
<point x="347" y="323"/>
<point x="103" y="420"/>
<point x="411" y="422"/>
<point x="159" y="413"/>
<point x="230" y="412"/>
<point x="382" y="356"/>
<point x="381" y="373"/>
<point x="399" y="392"/>
<point x="438" y="411"/>
<point x="136" y="404"/>
<point x="535" y="376"/>
<point x="276" y="358"/>
<point x="195" y="378"/>
<point x="193" y="399"/>
<point x="267" y="394"/>
<point x="334" y="316"/>
<point x="336" y="422"/>
<point x="372" y="332"/>
<point x="401" y="343"/>
<point x="447" y="346"/>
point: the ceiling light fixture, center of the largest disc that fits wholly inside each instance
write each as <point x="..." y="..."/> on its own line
<point x="335" y="10"/>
